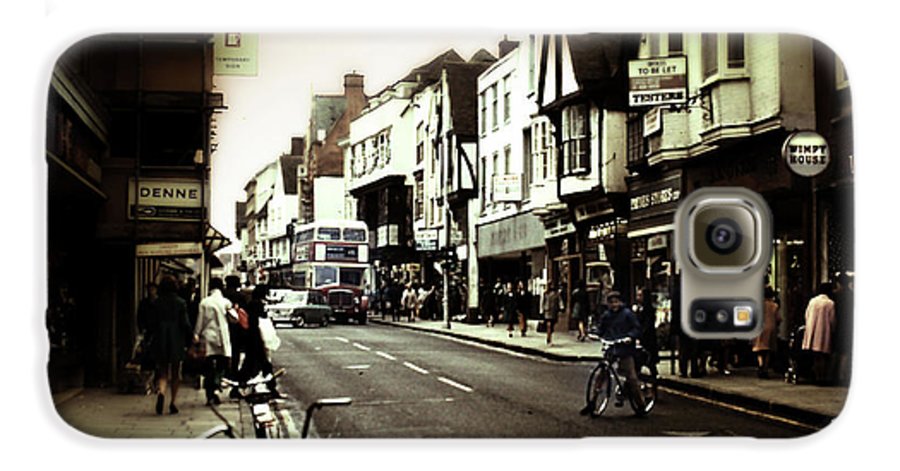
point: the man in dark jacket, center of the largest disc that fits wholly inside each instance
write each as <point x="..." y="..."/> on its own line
<point x="617" y="323"/>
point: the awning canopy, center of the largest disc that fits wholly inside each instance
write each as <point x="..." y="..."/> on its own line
<point x="213" y="240"/>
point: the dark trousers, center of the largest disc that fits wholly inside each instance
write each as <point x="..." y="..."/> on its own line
<point x="214" y="368"/>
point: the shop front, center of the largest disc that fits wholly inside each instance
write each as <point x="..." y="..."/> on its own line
<point x="653" y="200"/>
<point x="512" y="249"/>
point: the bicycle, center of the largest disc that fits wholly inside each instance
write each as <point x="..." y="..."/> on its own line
<point x="257" y="395"/>
<point x="260" y="400"/>
<point x="606" y="373"/>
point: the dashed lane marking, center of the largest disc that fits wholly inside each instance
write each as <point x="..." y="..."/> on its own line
<point x="357" y="367"/>
<point x="361" y="346"/>
<point x="415" y="368"/>
<point x="456" y="385"/>
<point x="342" y="339"/>
<point x="386" y="355"/>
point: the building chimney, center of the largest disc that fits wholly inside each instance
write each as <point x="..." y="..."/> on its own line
<point x="353" y="82"/>
<point x="506" y="46"/>
<point x="298" y="145"/>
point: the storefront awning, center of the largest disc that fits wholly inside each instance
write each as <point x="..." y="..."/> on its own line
<point x="213" y="240"/>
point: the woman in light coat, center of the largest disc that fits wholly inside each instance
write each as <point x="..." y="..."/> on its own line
<point x="763" y="344"/>
<point x="211" y="329"/>
<point x="550" y="307"/>
<point x="820" y="323"/>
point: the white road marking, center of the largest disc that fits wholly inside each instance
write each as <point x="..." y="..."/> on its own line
<point x="386" y="355"/>
<point x="342" y="339"/>
<point x="361" y="346"/>
<point x="357" y="367"/>
<point x="456" y="385"/>
<point x="415" y="368"/>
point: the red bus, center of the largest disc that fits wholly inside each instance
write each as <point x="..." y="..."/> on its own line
<point x="333" y="256"/>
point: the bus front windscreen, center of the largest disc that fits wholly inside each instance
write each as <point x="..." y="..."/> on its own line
<point x="352" y="276"/>
<point x="326" y="276"/>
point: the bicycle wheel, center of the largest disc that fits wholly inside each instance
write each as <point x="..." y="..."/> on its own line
<point x="648" y="390"/>
<point x="598" y="390"/>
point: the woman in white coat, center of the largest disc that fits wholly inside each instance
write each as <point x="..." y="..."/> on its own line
<point x="211" y="329"/>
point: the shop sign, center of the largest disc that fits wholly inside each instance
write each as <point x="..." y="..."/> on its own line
<point x="806" y="153"/>
<point x="659" y="241"/>
<point x="426" y="240"/>
<point x="655" y="198"/>
<point x="652" y="121"/>
<point x="657" y="81"/>
<point x="168" y="249"/>
<point x="606" y="230"/>
<point x="508" y="188"/>
<point x="165" y="199"/>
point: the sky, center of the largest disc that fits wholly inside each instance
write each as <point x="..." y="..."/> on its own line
<point x="265" y="111"/>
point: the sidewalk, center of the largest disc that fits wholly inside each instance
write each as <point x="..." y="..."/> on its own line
<point x="106" y="413"/>
<point x="808" y="404"/>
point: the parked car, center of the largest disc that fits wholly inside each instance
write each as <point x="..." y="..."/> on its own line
<point x="298" y="307"/>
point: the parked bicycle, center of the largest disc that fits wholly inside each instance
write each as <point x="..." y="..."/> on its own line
<point x="262" y="402"/>
<point x="605" y="383"/>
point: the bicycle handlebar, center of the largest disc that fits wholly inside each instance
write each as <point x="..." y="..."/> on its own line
<point x="254" y="381"/>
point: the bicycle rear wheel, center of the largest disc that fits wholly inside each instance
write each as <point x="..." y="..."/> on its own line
<point x="598" y="390"/>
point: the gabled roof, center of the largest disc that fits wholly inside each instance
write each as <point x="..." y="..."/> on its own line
<point x="483" y="56"/>
<point x="326" y="109"/>
<point x="431" y="72"/>
<point x="462" y="79"/>
<point x="600" y="60"/>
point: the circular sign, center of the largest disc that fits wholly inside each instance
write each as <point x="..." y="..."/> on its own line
<point x="806" y="153"/>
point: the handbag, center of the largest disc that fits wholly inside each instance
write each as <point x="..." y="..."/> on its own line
<point x="269" y="336"/>
<point x="197" y="351"/>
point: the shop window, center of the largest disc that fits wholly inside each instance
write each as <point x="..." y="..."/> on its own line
<point x="575" y="144"/>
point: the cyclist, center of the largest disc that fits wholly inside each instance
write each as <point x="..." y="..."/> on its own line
<point x="619" y="322"/>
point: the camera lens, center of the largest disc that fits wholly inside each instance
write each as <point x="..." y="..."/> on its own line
<point x="723" y="236"/>
<point x="700" y="316"/>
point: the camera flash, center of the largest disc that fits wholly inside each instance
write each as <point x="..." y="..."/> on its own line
<point x="743" y="315"/>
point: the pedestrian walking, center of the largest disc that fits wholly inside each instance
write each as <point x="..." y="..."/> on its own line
<point x="763" y="345"/>
<point x="645" y="311"/>
<point x="486" y="298"/>
<point x="820" y="323"/>
<point x="580" y="308"/>
<point x="410" y="300"/>
<point x="395" y="294"/>
<point x="236" y="331"/>
<point x="498" y="291"/>
<point x="523" y="306"/>
<point x="510" y="308"/>
<point x="170" y="330"/>
<point x="211" y="329"/>
<point x="843" y="335"/>
<point x="257" y="359"/>
<point x="550" y="305"/>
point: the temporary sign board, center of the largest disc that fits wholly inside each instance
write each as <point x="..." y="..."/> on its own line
<point x="508" y="188"/>
<point x="657" y="81"/>
<point x="236" y="54"/>
<point x="426" y="240"/>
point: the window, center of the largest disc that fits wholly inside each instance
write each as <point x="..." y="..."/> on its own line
<point x="710" y="49"/>
<point x="507" y="160"/>
<point x="304" y="236"/>
<point x="722" y="53"/>
<point x="635" y="138"/>
<point x="329" y="233"/>
<point x="735" y="51"/>
<point x="494" y="104"/>
<point x="532" y="47"/>
<point x="507" y="95"/>
<point x="495" y="170"/>
<point x="351" y="276"/>
<point x="420" y="143"/>
<point x="676" y="44"/>
<point x="653" y="42"/>
<point x="576" y="157"/>
<point x="325" y="276"/>
<point x="419" y="197"/>
<point x="483" y="185"/>
<point x="527" y="171"/>
<point x="483" y="100"/>
<point x="355" y="235"/>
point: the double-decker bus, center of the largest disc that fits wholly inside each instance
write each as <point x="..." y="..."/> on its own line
<point x="333" y="256"/>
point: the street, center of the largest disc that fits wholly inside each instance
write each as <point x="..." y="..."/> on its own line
<point x="408" y="384"/>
